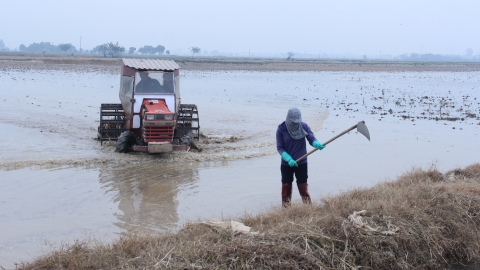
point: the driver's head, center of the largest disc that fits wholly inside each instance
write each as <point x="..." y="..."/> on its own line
<point x="144" y="75"/>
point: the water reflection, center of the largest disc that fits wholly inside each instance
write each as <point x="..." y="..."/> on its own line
<point x="147" y="193"/>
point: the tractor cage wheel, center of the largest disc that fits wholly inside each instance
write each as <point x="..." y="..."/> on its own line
<point x="112" y="122"/>
<point x="188" y="123"/>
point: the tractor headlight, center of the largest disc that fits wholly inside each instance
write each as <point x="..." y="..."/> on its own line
<point x="150" y="116"/>
<point x="168" y="117"/>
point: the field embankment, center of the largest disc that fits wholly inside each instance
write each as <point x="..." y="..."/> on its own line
<point x="423" y="220"/>
<point x="39" y="61"/>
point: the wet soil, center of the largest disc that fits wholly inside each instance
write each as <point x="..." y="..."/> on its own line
<point x="35" y="61"/>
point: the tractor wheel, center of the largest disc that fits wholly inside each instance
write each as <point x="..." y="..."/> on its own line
<point x="112" y="122"/>
<point x="187" y="123"/>
<point x="125" y="142"/>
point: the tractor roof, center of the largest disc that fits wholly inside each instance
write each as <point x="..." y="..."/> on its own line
<point x="150" y="64"/>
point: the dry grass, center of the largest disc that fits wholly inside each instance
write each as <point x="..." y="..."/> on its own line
<point x="437" y="217"/>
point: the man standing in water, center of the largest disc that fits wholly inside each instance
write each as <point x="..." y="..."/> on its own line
<point x="291" y="145"/>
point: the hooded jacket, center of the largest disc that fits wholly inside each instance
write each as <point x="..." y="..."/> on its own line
<point x="295" y="148"/>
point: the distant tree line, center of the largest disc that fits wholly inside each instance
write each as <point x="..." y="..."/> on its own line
<point x="429" y="57"/>
<point x="44" y="47"/>
<point x="113" y="50"/>
<point x="150" y="50"/>
<point x="109" y="49"/>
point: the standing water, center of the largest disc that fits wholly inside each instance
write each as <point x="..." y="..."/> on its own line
<point x="58" y="184"/>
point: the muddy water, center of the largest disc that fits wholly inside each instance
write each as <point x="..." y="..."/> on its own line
<point x="58" y="184"/>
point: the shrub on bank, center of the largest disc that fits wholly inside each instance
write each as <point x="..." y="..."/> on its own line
<point x="424" y="219"/>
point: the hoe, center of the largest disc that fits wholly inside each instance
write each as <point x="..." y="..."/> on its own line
<point x="361" y="127"/>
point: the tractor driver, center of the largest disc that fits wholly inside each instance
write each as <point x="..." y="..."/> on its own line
<point x="148" y="85"/>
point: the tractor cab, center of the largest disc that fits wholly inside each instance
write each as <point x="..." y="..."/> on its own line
<point x="154" y="120"/>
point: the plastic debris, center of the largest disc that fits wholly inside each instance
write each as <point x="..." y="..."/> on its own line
<point x="234" y="226"/>
<point x="357" y="221"/>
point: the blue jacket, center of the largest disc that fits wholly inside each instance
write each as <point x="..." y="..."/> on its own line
<point x="295" y="148"/>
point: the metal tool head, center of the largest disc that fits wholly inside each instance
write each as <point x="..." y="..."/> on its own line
<point x="362" y="128"/>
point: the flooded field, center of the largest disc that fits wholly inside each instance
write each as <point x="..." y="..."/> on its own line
<point x="58" y="184"/>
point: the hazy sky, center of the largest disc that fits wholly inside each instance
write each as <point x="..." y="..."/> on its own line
<point x="357" y="27"/>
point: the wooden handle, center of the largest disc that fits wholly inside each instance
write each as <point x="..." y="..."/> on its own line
<point x="327" y="142"/>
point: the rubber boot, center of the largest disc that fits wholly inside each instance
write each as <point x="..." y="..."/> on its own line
<point x="303" y="189"/>
<point x="286" y="195"/>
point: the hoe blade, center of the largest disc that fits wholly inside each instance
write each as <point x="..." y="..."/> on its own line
<point x="362" y="128"/>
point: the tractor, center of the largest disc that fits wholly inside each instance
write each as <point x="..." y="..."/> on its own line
<point x="150" y="117"/>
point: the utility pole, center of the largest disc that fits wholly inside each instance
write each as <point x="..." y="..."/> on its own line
<point x="80" y="44"/>
<point x="248" y="53"/>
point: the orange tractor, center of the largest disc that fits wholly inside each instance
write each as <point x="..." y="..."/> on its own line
<point x="150" y="116"/>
